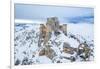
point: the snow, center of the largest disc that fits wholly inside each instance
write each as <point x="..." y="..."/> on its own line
<point x="26" y="42"/>
<point x="44" y="59"/>
<point x="71" y="41"/>
<point x="82" y="29"/>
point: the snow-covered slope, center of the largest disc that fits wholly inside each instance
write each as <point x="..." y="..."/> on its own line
<point x="26" y="50"/>
<point x="82" y="29"/>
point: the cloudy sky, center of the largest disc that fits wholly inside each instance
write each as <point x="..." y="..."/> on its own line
<point x="64" y="13"/>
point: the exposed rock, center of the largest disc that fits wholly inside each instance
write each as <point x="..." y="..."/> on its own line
<point x="47" y="52"/>
<point x="84" y="51"/>
<point x="57" y="33"/>
<point x="42" y="52"/>
<point x="25" y="61"/>
<point x="66" y="45"/>
<point x="72" y="59"/>
<point x="50" y="53"/>
<point x="67" y="48"/>
<point x="58" y="62"/>
<point x="17" y="62"/>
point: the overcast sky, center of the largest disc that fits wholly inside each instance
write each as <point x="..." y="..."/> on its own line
<point x="65" y="14"/>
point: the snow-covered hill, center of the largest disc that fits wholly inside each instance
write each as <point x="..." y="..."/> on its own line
<point x="26" y="50"/>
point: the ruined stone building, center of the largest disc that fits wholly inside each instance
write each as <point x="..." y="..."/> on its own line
<point x="52" y="25"/>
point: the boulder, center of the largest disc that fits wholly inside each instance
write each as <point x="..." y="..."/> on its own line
<point x="67" y="48"/>
<point x="47" y="52"/>
<point x="84" y="51"/>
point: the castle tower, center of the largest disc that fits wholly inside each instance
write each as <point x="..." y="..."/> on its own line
<point x="53" y="23"/>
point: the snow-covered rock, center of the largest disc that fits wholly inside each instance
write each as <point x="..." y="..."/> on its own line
<point x="26" y="49"/>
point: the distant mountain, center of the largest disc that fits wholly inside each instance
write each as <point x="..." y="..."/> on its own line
<point x="84" y="19"/>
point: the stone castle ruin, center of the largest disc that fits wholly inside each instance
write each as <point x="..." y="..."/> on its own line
<point x="52" y="25"/>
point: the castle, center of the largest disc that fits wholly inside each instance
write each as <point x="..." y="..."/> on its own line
<point x="52" y="25"/>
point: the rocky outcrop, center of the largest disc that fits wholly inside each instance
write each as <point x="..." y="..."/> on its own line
<point x="84" y="51"/>
<point x="68" y="49"/>
<point x="47" y="52"/>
